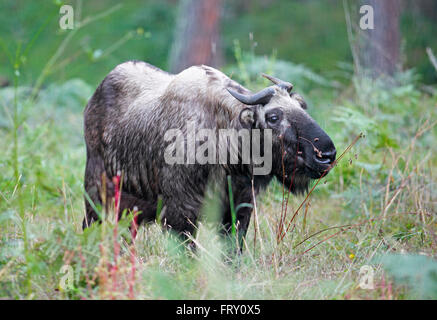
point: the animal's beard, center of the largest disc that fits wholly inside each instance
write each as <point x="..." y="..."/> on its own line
<point x="298" y="184"/>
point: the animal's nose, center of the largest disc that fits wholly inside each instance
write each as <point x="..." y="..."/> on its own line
<point x="326" y="157"/>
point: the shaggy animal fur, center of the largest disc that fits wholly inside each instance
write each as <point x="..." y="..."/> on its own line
<point x="125" y="122"/>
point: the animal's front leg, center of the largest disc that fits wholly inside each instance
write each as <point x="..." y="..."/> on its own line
<point x="182" y="190"/>
<point x="242" y="204"/>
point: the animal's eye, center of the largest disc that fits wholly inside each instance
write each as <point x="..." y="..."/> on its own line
<point x="273" y="118"/>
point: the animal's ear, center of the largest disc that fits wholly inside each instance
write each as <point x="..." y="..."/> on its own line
<point x="248" y="118"/>
<point x="300" y="99"/>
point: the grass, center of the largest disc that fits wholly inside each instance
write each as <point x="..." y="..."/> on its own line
<point x="379" y="199"/>
<point x="377" y="202"/>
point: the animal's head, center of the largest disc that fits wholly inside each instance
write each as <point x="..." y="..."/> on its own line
<point x="301" y="149"/>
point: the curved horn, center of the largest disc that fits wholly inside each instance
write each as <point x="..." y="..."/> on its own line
<point x="282" y="84"/>
<point x="262" y="97"/>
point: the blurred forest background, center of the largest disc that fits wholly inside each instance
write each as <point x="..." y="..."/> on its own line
<point x="373" y="91"/>
<point x="312" y="33"/>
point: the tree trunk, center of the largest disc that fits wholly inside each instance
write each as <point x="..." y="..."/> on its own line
<point x="380" y="47"/>
<point x="197" y="37"/>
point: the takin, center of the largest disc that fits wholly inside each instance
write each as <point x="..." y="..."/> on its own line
<point x="137" y="107"/>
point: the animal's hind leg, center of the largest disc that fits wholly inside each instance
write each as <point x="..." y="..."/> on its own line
<point x="128" y="203"/>
<point x="146" y="208"/>
<point x="94" y="180"/>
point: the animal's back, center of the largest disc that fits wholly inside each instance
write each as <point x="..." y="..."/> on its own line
<point x="117" y="93"/>
<point x="127" y="117"/>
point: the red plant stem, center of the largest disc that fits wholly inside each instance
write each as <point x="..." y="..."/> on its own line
<point x="288" y="196"/>
<point x="88" y="282"/>
<point x="342" y="227"/>
<point x="103" y="276"/>
<point x="318" y="180"/>
<point x="133" y="271"/>
<point x="134" y="227"/>
<point x="303" y="202"/>
<point x="327" y="238"/>
<point x="116" y="181"/>
<point x="323" y="230"/>
<point x="390" y="292"/>
<point x="281" y="220"/>
<point x="133" y="254"/>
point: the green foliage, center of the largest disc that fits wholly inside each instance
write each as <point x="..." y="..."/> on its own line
<point x="379" y="198"/>
<point x="417" y="272"/>
<point x="35" y="245"/>
<point x="294" y="29"/>
<point x="297" y="31"/>
<point x="124" y="34"/>
<point x="72" y="94"/>
<point x="390" y="116"/>
<point x="302" y="77"/>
